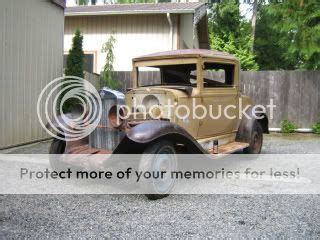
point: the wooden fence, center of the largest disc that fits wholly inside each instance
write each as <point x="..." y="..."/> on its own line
<point x="93" y="78"/>
<point x="295" y="93"/>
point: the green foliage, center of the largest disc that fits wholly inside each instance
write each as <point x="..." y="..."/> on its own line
<point x="287" y="126"/>
<point x="229" y="32"/>
<point x="225" y="18"/>
<point x="316" y="128"/>
<point x="74" y="67"/>
<point x="271" y="55"/>
<point x="288" y="35"/>
<point x="82" y="2"/>
<point x="106" y="75"/>
<point x="246" y="57"/>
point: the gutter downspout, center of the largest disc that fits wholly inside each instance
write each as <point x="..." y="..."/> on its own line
<point x="171" y="29"/>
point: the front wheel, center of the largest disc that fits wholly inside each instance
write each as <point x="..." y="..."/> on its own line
<point x="256" y="139"/>
<point x="57" y="147"/>
<point x="157" y="158"/>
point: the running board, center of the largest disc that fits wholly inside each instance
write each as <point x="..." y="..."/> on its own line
<point x="228" y="148"/>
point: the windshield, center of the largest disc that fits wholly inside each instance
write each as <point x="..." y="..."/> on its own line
<point x="178" y="74"/>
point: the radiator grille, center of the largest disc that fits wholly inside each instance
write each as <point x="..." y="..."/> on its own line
<point x="105" y="136"/>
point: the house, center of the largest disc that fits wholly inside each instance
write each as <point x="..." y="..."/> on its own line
<point x="31" y="49"/>
<point x="139" y="29"/>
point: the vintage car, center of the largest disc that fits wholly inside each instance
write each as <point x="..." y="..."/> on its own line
<point x="190" y="78"/>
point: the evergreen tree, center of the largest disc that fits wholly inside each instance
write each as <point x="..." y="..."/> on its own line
<point x="74" y="67"/>
<point x="271" y="55"/>
<point x="230" y="32"/>
<point x="75" y="58"/>
<point x="288" y="35"/>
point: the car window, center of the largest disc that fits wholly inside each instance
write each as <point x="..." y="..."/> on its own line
<point x="178" y="74"/>
<point x="218" y="75"/>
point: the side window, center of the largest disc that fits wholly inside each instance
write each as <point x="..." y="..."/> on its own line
<point x="177" y="74"/>
<point x="148" y="76"/>
<point x="217" y="75"/>
<point x="180" y="74"/>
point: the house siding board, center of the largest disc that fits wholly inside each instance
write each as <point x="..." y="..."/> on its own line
<point x="186" y="31"/>
<point x="31" y="46"/>
<point x="135" y="35"/>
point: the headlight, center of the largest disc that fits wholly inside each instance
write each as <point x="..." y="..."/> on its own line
<point x="155" y="112"/>
<point x="115" y="117"/>
<point x="153" y="106"/>
<point x="150" y="101"/>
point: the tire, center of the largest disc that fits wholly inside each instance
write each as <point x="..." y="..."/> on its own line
<point x="57" y="147"/>
<point x="256" y="139"/>
<point x="165" y="156"/>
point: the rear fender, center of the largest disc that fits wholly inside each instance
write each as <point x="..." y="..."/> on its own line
<point x="246" y="124"/>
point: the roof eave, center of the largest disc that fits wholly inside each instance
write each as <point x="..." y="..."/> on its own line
<point x="103" y="13"/>
<point x="60" y="3"/>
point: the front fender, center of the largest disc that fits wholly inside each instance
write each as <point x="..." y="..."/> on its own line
<point x="60" y="122"/>
<point x="138" y="137"/>
<point x="61" y="125"/>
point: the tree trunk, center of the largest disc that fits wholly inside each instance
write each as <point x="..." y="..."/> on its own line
<point x="301" y="3"/>
<point x="254" y="21"/>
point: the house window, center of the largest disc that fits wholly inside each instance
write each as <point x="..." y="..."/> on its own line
<point x="88" y="62"/>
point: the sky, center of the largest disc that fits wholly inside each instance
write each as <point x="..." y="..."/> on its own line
<point x="245" y="10"/>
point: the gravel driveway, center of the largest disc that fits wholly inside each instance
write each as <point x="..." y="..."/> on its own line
<point x="177" y="216"/>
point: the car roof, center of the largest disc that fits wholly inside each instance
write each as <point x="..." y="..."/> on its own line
<point x="185" y="53"/>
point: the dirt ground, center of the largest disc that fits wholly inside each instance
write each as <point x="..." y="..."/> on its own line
<point x="177" y="216"/>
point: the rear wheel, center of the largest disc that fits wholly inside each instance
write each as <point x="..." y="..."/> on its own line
<point x="158" y="157"/>
<point x="256" y="139"/>
<point x="57" y="147"/>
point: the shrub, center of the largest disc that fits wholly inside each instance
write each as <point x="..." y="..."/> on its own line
<point x="287" y="126"/>
<point x="316" y="128"/>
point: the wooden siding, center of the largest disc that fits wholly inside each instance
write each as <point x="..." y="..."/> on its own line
<point x="31" y="48"/>
<point x="135" y="35"/>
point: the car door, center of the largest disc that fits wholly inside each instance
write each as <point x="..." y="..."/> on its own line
<point x="220" y="96"/>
